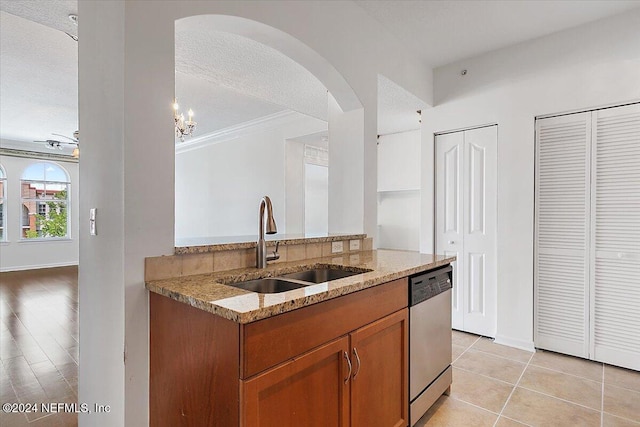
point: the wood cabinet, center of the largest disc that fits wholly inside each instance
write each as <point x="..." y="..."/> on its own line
<point x="310" y="390"/>
<point x="341" y="362"/>
<point x="356" y="380"/>
<point x="379" y="382"/>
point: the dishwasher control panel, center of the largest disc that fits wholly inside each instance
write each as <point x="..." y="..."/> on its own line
<point x="424" y="286"/>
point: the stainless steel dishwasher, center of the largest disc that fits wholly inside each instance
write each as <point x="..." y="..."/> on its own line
<point x="430" y="372"/>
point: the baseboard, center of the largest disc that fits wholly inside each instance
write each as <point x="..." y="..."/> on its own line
<point x="37" y="267"/>
<point x="512" y="342"/>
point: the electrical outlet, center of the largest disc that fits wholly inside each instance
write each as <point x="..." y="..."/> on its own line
<point x="354" y="245"/>
<point x="336" y="247"/>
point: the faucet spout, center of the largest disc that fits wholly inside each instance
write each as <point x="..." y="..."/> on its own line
<point x="261" y="247"/>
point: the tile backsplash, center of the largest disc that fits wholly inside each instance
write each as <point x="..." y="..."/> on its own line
<point x="164" y="267"/>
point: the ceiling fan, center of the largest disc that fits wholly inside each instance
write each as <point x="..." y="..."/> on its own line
<point x="56" y="144"/>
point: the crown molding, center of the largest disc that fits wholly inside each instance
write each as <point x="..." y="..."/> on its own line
<point x="246" y="128"/>
<point x="37" y="155"/>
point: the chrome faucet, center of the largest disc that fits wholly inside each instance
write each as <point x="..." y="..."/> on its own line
<point x="261" y="247"/>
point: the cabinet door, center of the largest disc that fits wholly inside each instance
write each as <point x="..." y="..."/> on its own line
<point x="309" y="390"/>
<point x="379" y="384"/>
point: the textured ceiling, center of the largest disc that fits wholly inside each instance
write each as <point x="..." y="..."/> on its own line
<point x="39" y="83"/>
<point x="244" y="66"/>
<point x="52" y="13"/>
<point x="229" y="79"/>
<point x="396" y="108"/>
<point x="217" y="107"/>
<point x="441" y="32"/>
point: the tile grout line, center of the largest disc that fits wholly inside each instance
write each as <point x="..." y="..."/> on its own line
<point x="565" y="373"/>
<point x="623" y="418"/>
<point x="558" y="398"/>
<point x="499" y="356"/>
<point x="466" y="349"/>
<point x="474" y="405"/>
<point x="485" y="376"/>
<point x="513" y="390"/>
<point x="519" y="422"/>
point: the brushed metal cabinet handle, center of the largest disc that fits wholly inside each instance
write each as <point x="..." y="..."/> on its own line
<point x="355" y="352"/>
<point x="346" y="356"/>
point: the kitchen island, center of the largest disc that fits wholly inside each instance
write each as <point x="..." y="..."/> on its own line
<point x="332" y="353"/>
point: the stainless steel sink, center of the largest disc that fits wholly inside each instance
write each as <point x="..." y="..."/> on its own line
<point x="297" y="280"/>
<point x="268" y="285"/>
<point x="320" y="275"/>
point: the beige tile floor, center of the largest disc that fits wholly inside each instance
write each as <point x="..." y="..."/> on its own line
<point x="495" y="385"/>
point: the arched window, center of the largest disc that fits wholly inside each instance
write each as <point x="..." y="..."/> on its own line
<point x="3" y="203"/>
<point x="44" y="190"/>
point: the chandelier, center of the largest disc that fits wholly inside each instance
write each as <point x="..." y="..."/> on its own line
<point x="183" y="127"/>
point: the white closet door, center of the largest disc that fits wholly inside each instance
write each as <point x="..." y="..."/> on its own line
<point x="449" y="215"/>
<point x="479" y="189"/>
<point x="466" y="185"/>
<point x="615" y="253"/>
<point x="562" y="224"/>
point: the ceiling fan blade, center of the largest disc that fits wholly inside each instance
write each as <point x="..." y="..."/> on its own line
<point x="64" y="136"/>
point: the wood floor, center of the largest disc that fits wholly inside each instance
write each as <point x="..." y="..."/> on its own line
<point x="39" y="344"/>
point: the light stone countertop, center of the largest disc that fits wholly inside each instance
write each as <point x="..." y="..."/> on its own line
<point x="208" y="292"/>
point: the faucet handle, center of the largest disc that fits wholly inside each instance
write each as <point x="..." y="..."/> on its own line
<point x="274" y="255"/>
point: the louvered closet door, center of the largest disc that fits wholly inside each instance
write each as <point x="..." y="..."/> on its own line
<point x="615" y="266"/>
<point x="562" y="224"/>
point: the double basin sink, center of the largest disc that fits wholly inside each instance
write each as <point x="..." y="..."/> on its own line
<point x="299" y="279"/>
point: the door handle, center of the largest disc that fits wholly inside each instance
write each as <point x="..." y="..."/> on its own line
<point x="451" y="242"/>
<point x="355" y="353"/>
<point x="346" y="356"/>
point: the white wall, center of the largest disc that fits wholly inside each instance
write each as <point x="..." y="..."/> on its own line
<point x="101" y="278"/>
<point x="588" y="66"/>
<point x="294" y="186"/>
<point x="347" y="201"/>
<point x="316" y="200"/>
<point x="399" y="172"/>
<point x="127" y="73"/>
<point x="219" y="185"/>
<point x="17" y="254"/>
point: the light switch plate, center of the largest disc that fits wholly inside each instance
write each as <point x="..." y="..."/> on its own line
<point x="354" y="245"/>
<point x="336" y="247"/>
<point x="92" y="221"/>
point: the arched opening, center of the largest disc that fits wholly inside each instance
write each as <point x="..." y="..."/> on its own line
<point x="263" y="101"/>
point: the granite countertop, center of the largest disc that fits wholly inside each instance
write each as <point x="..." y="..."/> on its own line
<point x="208" y="292"/>
<point x="198" y="245"/>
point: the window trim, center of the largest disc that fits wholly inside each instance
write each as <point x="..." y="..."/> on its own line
<point x="45" y="182"/>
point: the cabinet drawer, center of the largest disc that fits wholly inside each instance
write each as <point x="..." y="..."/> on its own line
<point x="309" y="391"/>
<point x="267" y="342"/>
